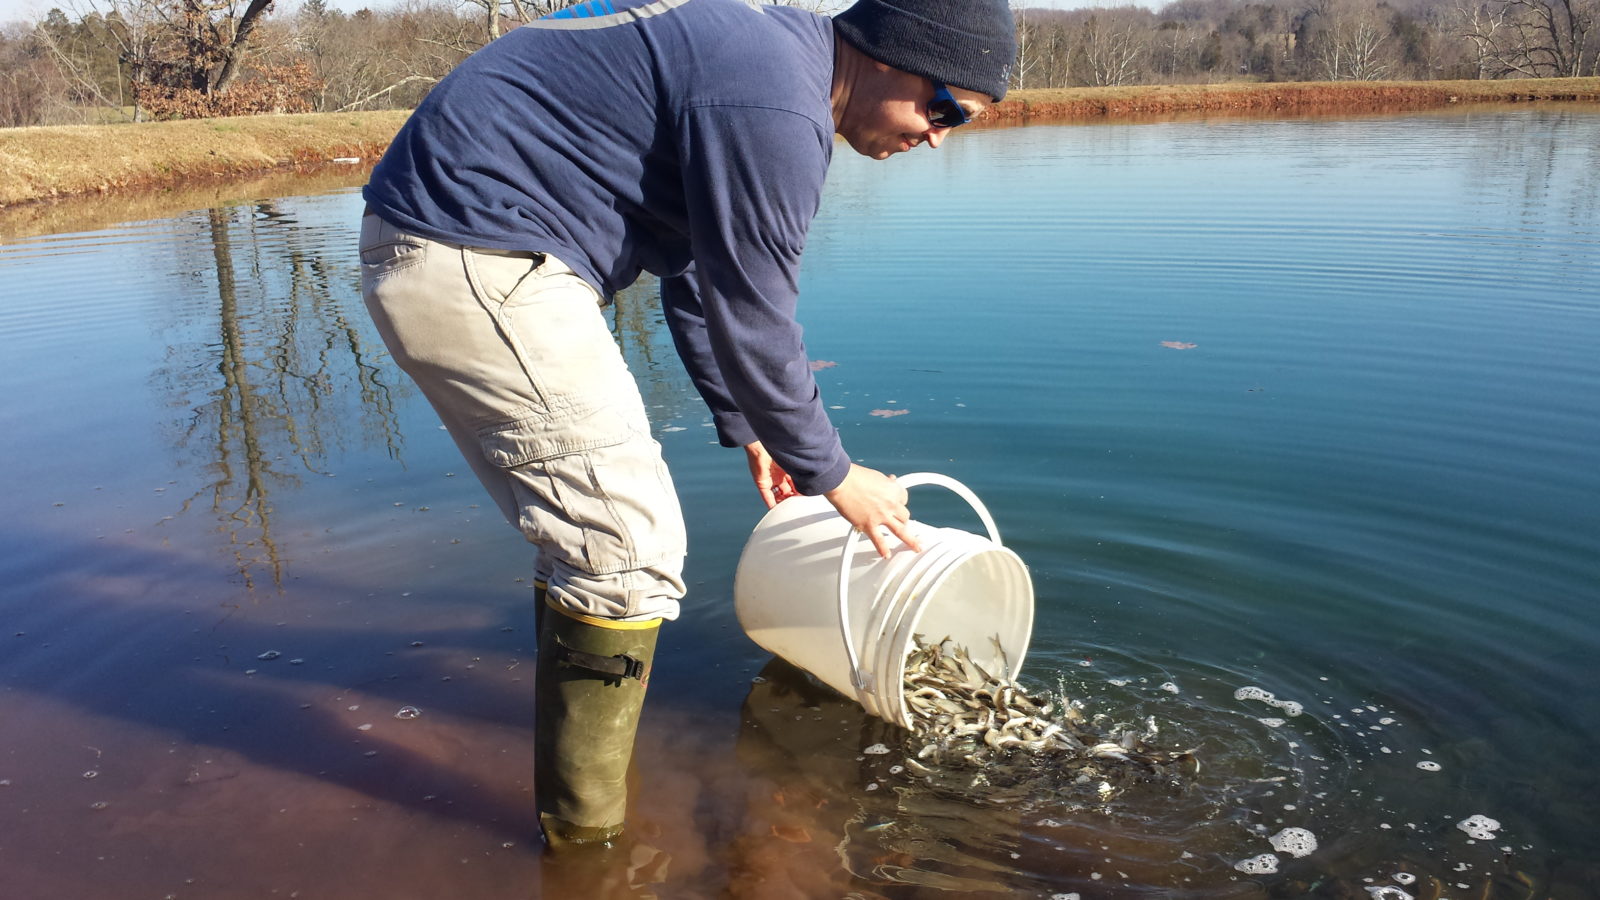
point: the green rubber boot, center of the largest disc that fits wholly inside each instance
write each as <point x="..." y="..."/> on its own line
<point x="591" y="677"/>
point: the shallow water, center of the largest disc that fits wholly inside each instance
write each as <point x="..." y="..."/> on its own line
<point x="1306" y="406"/>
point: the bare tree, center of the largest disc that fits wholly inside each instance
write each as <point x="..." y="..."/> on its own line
<point x="1112" y="48"/>
<point x="30" y="84"/>
<point x="98" y="56"/>
<point x="1484" y="26"/>
<point x="1175" y="49"/>
<point x="1349" y="38"/>
<point x="1533" y="38"/>
<point x="230" y="47"/>
<point x="1025" y="62"/>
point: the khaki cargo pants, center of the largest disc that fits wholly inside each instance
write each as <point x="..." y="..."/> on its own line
<point x="514" y="354"/>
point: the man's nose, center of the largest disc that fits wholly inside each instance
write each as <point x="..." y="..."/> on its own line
<point x="934" y="137"/>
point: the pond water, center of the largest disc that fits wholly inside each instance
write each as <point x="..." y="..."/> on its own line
<point x="1290" y="410"/>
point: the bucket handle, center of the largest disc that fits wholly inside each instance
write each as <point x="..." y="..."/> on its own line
<point x="863" y="682"/>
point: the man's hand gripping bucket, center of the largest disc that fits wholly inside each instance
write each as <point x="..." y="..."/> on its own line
<point x="809" y="590"/>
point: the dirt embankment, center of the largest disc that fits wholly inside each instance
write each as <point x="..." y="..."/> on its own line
<point x="1341" y="96"/>
<point x="44" y="163"/>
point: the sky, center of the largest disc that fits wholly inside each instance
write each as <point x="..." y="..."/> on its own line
<point x="22" y="10"/>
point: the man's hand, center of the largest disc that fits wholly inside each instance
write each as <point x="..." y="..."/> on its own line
<point x="872" y="501"/>
<point x="771" y="480"/>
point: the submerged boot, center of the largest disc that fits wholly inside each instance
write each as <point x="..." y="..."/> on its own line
<point x="590" y="684"/>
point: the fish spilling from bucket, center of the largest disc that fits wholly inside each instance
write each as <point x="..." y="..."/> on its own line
<point x="964" y="716"/>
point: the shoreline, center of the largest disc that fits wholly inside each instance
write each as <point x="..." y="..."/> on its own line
<point x="1111" y="103"/>
<point x="41" y="164"/>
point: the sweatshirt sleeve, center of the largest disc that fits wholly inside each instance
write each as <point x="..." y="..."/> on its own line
<point x="680" y="301"/>
<point x="753" y="180"/>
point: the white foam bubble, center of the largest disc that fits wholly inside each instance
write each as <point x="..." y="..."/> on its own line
<point x="876" y="750"/>
<point x="1296" y="842"/>
<point x="1479" y="826"/>
<point x="1405" y="878"/>
<point x="1169" y="687"/>
<point x="1388" y="892"/>
<point x="1429" y="765"/>
<point x="1265" y="864"/>
<point x="1254" y="693"/>
<point x="1271" y="723"/>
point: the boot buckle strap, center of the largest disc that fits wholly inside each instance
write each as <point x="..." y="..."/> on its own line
<point x="619" y="666"/>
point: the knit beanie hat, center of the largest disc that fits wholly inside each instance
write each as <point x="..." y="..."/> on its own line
<point x="967" y="43"/>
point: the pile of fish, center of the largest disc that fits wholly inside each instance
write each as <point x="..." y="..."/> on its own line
<point x="965" y="716"/>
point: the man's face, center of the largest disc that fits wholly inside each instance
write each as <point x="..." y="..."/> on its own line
<point x="894" y="117"/>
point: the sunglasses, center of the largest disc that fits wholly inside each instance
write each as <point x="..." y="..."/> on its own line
<point x="943" y="110"/>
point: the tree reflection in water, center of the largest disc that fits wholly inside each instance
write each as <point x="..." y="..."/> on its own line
<point x="293" y="373"/>
<point x="288" y="378"/>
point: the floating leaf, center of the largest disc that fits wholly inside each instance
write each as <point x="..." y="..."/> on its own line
<point x="818" y="364"/>
<point x="888" y="413"/>
<point x="1179" y="345"/>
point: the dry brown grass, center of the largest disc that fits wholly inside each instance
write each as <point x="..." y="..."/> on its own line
<point x="41" y="163"/>
<point x="1349" y="96"/>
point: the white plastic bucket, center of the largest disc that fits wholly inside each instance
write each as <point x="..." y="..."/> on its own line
<point x="811" y="591"/>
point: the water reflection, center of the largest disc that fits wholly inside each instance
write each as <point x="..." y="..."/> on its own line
<point x="1356" y="491"/>
<point x="290" y="372"/>
<point x="287" y="374"/>
<point x="95" y="212"/>
<point x="639" y="328"/>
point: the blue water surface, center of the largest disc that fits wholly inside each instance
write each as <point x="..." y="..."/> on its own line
<point x="1294" y="422"/>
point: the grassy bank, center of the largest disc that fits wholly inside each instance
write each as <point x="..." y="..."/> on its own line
<point x="42" y="163"/>
<point x="1314" y="96"/>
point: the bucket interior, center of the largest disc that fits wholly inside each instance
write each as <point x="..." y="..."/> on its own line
<point x="975" y="596"/>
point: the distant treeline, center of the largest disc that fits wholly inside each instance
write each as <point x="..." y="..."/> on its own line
<point x="116" y="60"/>
<point x="1208" y="41"/>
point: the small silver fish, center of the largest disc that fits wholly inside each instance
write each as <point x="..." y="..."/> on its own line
<point x="963" y="714"/>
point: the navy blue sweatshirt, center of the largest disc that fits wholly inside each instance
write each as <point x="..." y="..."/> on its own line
<point x="686" y="138"/>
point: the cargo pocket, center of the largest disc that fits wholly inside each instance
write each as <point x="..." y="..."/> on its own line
<point x="590" y="490"/>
